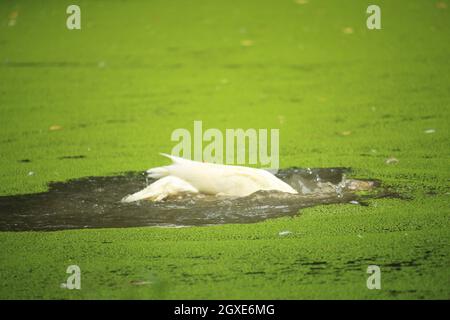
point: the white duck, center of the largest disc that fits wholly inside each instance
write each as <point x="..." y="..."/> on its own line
<point x="198" y="177"/>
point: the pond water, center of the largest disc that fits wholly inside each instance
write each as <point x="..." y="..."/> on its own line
<point x="94" y="202"/>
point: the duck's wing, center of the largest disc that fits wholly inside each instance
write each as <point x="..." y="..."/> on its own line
<point x="264" y="180"/>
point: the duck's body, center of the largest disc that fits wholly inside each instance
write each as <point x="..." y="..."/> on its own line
<point x="197" y="177"/>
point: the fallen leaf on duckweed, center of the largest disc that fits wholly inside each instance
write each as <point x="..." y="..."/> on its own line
<point x="429" y="131"/>
<point x="348" y="30"/>
<point x="13" y="18"/>
<point x="55" y="127"/>
<point x="14" y="14"/>
<point x="247" y="43"/>
<point x="301" y="1"/>
<point x="391" y="160"/>
<point x="441" y="5"/>
<point x="345" y="133"/>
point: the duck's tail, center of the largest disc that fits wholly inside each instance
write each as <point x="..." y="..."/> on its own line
<point x="161" y="172"/>
<point x="157" y="173"/>
<point x="175" y="159"/>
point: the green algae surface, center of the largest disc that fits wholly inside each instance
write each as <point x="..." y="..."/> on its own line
<point x="105" y="99"/>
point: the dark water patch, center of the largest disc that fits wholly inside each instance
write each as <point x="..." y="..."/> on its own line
<point x="255" y="273"/>
<point x="396" y="293"/>
<point x="94" y="202"/>
<point x="304" y="67"/>
<point x="24" y="160"/>
<point x="233" y="66"/>
<point x="81" y="156"/>
<point x="399" y="265"/>
<point x="314" y="263"/>
<point x="46" y="64"/>
<point x="9" y="140"/>
<point x="117" y="121"/>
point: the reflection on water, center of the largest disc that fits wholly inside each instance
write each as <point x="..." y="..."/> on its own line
<point x="94" y="202"/>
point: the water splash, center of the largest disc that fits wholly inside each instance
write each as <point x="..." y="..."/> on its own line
<point x="94" y="202"/>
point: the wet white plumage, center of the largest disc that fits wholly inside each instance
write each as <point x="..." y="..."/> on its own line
<point x="198" y="177"/>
